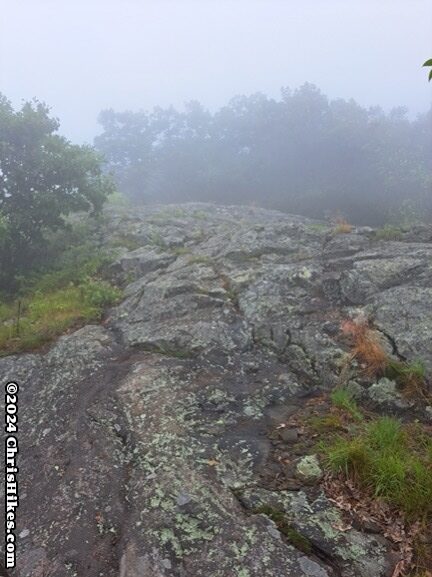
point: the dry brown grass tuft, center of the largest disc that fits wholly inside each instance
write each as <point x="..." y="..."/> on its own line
<point x="367" y="346"/>
<point x="342" y="226"/>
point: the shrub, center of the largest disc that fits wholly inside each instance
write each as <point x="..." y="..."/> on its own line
<point x="98" y="293"/>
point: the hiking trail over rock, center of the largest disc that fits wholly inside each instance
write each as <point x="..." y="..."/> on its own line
<point x="144" y="440"/>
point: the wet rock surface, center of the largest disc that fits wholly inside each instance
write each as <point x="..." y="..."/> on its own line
<point x="144" y="442"/>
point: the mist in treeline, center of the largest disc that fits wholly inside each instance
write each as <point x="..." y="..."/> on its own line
<point x="302" y="153"/>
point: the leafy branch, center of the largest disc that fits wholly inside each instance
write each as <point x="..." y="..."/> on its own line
<point x="429" y="63"/>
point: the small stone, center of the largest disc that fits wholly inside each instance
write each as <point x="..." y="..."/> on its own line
<point x="311" y="568"/>
<point x="24" y="533"/>
<point x="308" y="469"/>
<point x="289" y="435"/>
<point x="251" y="367"/>
<point x="183" y="499"/>
<point x="385" y="392"/>
<point x="273" y="531"/>
<point x="355" y="390"/>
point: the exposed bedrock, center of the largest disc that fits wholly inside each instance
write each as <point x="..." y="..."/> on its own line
<point x="143" y="440"/>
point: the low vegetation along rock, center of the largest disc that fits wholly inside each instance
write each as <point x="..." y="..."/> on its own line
<point x="145" y="441"/>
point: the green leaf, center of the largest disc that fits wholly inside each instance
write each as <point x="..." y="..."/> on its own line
<point x="430" y="75"/>
<point x="428" y="62"/>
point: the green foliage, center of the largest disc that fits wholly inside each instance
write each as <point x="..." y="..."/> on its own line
<point x="429" y="63"/>
<point x="67" y="294"/>
<point x="45" y="315"/>
<point x="99" y="294"/>
<point x="389" y="232"/>
<point x="392" y="460"/>
<point x="326" y="423"/>
<point x="416" y="369"/>
<point x="118" y="200"/>
<point x="410" y="376"/>
<point x="385" y="433"/>
<point x="351" y="456"/>
<point x="44" y="178"/>
<point x="342" y="399"/>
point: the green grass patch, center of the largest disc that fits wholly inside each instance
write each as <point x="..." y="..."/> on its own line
<point x="389" y="232"/>
<point x="342" y="399"/>
<point x="406" y="373"/>
<point x="66" y="290"/>
<point x="326" y="423"/>
<point x="391" y="459"/>
<point x="39" y="317"/>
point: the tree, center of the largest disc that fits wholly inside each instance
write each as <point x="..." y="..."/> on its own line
<point x="43" y="178"/>
<point x="302" y="153"/>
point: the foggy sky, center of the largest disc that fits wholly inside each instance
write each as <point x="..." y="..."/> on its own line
<point x="83" y="56"/>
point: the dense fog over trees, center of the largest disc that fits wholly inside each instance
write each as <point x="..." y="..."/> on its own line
<point x="301" y="153"/>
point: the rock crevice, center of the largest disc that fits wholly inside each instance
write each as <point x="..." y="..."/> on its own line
<point x="143" y="441"/>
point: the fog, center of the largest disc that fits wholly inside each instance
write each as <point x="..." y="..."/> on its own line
<point x="84" y="56"/>
<point x="319" y="108"/>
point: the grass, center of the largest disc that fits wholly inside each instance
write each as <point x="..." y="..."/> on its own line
<point x="389" y="232"/>
<point x="390" y="459"/>
<point x="411" y="376"/>
<point x="342" y="226"/>
<point x="39" y="317"/>
<point x="69" y="294"/>
<point x="342" y="399"/>
<point x="367" y="348"/>
<point x="327" y="423"/>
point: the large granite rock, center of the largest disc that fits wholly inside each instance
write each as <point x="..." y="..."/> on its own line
<point x="142" y="442"/>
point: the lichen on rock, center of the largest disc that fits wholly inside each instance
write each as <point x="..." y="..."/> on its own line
<point x="144" y="440"/>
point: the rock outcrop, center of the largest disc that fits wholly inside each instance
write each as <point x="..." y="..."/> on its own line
<point x="143" y="440"/>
